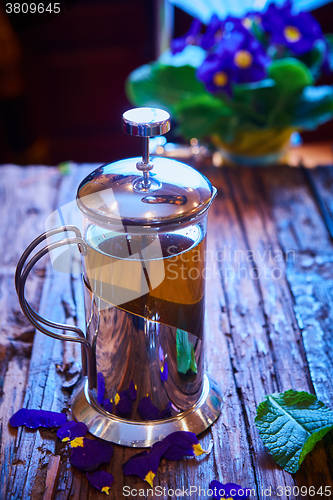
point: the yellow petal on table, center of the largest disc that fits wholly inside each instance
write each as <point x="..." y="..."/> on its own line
<point x="77" y="442"/>
<point x="150" y="478"/>
<point x="198" y="450"/>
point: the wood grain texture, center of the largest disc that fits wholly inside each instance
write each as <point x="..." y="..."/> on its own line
<point x="269" y="328"/>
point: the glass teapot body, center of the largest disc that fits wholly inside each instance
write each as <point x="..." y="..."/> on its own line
<point x="144" y="302"/>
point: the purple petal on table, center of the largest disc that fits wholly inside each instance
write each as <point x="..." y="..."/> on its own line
<point x="91" y="454"/>
<point x="37" y="418"/>
<point x="101" y="480"/>
<point x="228" y="490"/>
<point x="182" y="444"/>
<point x="100" y="388"/>
<point x="164" y="371"/>
<point x="145" y="464"/>
<point x="71" y="430"/>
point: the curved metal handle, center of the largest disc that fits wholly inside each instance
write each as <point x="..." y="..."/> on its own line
<point x="22" y="271"/>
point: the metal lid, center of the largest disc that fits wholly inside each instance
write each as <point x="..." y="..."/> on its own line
<point x="108" y="196"/>
<point x="141" y="192"/>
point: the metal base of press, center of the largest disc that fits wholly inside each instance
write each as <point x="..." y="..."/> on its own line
<point x="105" y="425"/>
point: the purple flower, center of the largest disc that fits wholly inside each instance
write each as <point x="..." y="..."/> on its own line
<point x="100" y="388"/>
<point x="239" y="58"/>
<point x="101" y="480"/>
<point x="214" y="73"/>
<point x="213" y="33"/>
<point x="145" y="464"/>
<point x="37" y="418"/>
<point x="190" y="38"/>
<point x="148" y="411"/>
<point x="71" y="430"/>
<point x="164" y="371"/>
<point x="228" y="490"/>
<point x="182" y="444"/>
<point x="88" y="454"/>
<point x="298" y="32"/>
<point x="175" y="446"/>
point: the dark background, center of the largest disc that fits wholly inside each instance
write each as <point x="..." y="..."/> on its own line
<point x="73" y="67"/>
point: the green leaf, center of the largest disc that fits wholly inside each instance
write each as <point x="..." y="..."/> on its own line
<point x="267" y="83"/>
<point x="313" y="107"/>
<point x="190" y="56"/>
<point x="198" y="117"/>
<point x="185" y="353"/>
<point x="290" y="75"/>
<point x="260" y="98"/>
<point x="290" y="424"/>
<point x="160" y="85"/>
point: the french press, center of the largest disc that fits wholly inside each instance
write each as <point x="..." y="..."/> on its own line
<point x="142" y="243"/>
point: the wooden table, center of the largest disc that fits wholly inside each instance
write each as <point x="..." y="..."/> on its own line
<point x="269" y="328"/>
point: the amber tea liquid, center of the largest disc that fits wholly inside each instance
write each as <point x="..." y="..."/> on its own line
<point x="159" y="277"/>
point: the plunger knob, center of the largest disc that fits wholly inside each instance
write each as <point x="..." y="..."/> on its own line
<point x="145" y="123"/>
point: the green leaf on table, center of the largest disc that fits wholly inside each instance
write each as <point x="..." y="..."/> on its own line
<point x="313" y="107"/>
<point x="290" y="75"/>
<point x="200" y="116"/>
<point x="162" y="85"/>
<point x="185" y="353"/>
<point x="290" y="424"/>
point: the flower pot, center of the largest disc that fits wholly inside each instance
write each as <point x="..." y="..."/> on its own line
<point x="261" y="147"/>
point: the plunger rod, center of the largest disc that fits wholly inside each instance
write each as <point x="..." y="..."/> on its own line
<point x="145" y="158"/>
<point x="145" y="155"/>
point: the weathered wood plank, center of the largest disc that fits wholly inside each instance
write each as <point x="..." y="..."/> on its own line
<point x="21" y="212"/>
<point x="44" y="386"/>
<point x="51" y="477"/>
<point x="244" y="273"/>
<point x="309" y="272"/>
<point x="299" y="223"/>
<point x="321" y="181"/>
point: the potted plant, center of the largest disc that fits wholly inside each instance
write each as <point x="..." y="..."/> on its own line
<point x="244" y="84"/>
